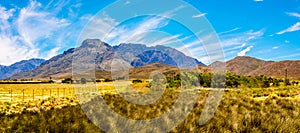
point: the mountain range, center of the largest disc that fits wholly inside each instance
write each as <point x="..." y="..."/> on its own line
<point x="141" y="60"/>
<point x="102" y="55"/>
<point x="22" y="66"/>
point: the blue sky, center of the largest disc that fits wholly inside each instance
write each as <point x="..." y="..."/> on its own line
<point x="265" y="29"/>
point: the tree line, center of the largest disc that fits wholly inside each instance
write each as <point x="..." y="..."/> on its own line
<point x="225" y="80"/>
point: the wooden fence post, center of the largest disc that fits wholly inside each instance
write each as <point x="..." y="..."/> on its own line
<point x="23" y="95"/>
<point x="42" y="93"/>
<point x="32" y="94"/>
<point x="10" y="94"/>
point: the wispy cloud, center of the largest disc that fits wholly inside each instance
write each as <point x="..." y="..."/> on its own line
<point x="287" y="56"/>
<point x="243" y="52"/>
<point x="295" y="27"/>
<point x="258" y="0"/>
<point x="125" y="33"/>
<point x="286" y="41"/>
<point x="11" y="49"/>
<point x="293" y="14"/>
<point x="229" y="31"/>
<point x="199" y="15"/>
<point x="166" y="40"/>
<point x="25" y="30"/>
<point x="115" y="33"/>
<point x="232" y="44"/>
<point x="235" y="39"/>
<point x="127" y="2"/>
<point x="34" y="24"/>
<point x="275" y="47"/>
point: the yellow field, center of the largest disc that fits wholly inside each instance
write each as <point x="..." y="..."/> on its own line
<point x="241" y="109"/>
<point x="25" y="92"/>
<point x="33" y="92"/>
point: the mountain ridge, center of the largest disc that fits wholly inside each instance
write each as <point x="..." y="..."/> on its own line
<point x="250" y="66"/>
<point x="21" y="66"/>
<point x="138" y="55"/>
<point x="125" y="54"/>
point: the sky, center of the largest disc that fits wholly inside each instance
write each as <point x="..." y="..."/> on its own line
<point x="208" y="30"/>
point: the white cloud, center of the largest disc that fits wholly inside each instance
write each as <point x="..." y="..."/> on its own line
<point x="4" y="16"/>
<point x="23" y="33"/>
<point x="34" y="24"/>
<point x="232" y="44"/>
<point x="98" y="27"/>
<point x="166" y="40"/>
<point x="229" y="31"/>
<point x="275" y="47"/>
<point x="127" y="2"/>
<point x="287" y="56"/>
<point x="11" y="50"/>
<point x="236" y="39"/>
<point x="53" y="52"/>
<point x="293" y="14"/>
<point x="211" y="59"/>
<point x="243" y="52"/>
<point x="132" y="33"/>
<point x="258" y="0"/>
<point x="127" y="34"/>
<point x="109" y="30"/>
<point x="199" y="15"/>
<point x="286" y="41"/>
<point x="295" y="27"/>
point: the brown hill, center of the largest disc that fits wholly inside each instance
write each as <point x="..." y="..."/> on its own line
<point x="244" y="65"/>
<point x="250" y="66"/>
<point x="143" y="72"/>
<point x="278" y="69"/>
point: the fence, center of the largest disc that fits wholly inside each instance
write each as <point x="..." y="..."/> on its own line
<point x="34" y="94"/>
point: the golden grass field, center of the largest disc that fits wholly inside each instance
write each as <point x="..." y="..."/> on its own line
<point x="274" y="109"/>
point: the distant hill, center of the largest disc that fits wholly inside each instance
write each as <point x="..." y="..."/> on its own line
<point x="131" y="55"/>
<point x="22" y="66"/>
<point x="250" y="66"/>
<point x="278" y="69"/>
<point x="143" y="72"/>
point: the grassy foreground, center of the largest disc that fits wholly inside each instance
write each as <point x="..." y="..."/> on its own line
<point x="247" y="110"/>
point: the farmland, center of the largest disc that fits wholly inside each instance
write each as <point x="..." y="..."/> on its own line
<point x="273" y="109"/>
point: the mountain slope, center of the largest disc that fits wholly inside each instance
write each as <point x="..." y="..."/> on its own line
<point x="22" y="66"/>
<point x="95" y="52"/>
<point x="249" y="66"/>
<point x="278" y="69"/>
<point x="129" y="52"/>
<point x="244" y="65"/>
<point x="61" y="65"/>
<point x="152" y="56"/>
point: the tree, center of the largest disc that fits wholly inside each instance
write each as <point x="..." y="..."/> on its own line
<point x="287" y="82"/>
<point x="67" y="80"/>
<point x="83" y="81"/>
<point x="276" y="82"/>
<point x="266" y="84"/>
<point x="137" y="81"/>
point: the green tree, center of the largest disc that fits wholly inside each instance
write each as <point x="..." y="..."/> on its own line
<point x="83" y="81"/>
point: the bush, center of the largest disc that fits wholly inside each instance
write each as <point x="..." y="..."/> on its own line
<point x="273" y="96"/>
<point x="67" y="80"/>
<point x="137" y="81"/>
<point x="83" y="81"/>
